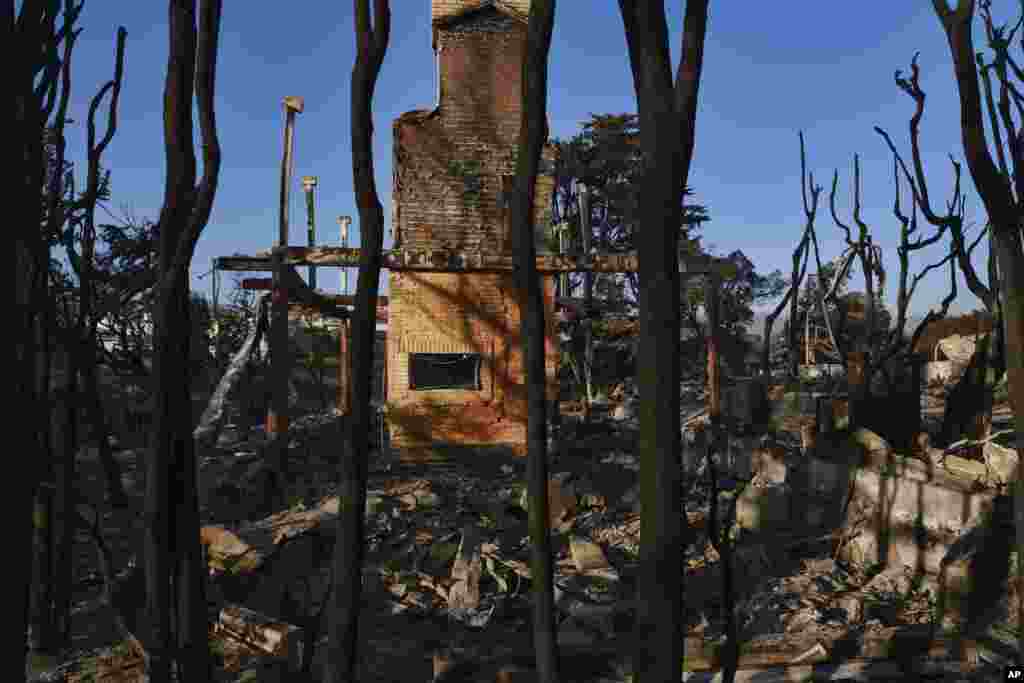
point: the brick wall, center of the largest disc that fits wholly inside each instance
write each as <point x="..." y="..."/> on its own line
<point x="451" y="166"/>
<point x="456" y="313"/>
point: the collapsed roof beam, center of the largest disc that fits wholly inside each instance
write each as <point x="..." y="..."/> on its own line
<point x="449" y="261"/>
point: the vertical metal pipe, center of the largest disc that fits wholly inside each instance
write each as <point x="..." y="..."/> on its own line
<point x="588" y="292"/>
<point x="344" y="222"/>
<point x="711" y="303"/>
<point x="309" y="185"/>
<point x="343" y="367"/>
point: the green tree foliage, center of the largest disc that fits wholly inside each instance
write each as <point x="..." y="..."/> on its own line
<point x="605" y="156"/>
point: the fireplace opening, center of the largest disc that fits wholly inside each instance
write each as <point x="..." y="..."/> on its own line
<point x="444" y="371"/>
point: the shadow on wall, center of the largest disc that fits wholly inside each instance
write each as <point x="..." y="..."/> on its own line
<point x="478" y="314"/>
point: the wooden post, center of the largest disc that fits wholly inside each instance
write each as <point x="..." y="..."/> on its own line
<point x="277" y="415"/>
<point x="292" y="106"/>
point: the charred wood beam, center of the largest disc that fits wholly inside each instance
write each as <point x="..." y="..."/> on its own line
<point x="447" y="261"/>
<point x="264" y="284"/>
<point x="326" y="305"/>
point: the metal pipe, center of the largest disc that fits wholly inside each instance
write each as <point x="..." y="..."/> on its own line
<point x="344" y="222"/>
<point x="583" y="196"/>
<point x="712" y="286"/>
<point x="309" y="184"/>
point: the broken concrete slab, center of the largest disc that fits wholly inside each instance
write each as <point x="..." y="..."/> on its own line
<point x="1002" y="462"/>
<point x="464" y="593"/>
<point x="588" y="556"/>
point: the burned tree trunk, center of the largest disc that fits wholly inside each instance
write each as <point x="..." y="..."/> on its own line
<point x="87" y="320"/>
<point x="171" y="549"/>
<point x="36" y="75"/>
<point x="343" y="639"/>
<point x="668" y="116"/>
<point x="1003" y="197"/>
<point x="532" y="134"/>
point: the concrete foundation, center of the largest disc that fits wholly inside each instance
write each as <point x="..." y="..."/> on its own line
<point x="890" y="510"/>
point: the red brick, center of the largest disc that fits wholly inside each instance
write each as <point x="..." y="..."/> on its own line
<point x="480" y="55"/>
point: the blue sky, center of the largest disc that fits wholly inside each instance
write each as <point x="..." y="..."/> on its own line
<point x="770" y="70"/>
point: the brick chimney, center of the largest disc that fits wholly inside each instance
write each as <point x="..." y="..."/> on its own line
<point x="455" y="363"/>
<point x="444" y="9"/>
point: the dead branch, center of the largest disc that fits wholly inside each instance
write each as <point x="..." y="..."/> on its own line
<point x="905" y="292"/>
<point x="964" y="444"/>
<point x="953" y="218"/>
<point x="111" y="588"/>
<point x="811" y="211"/>
<point x="932" y="315"/>
<point x="802" y="251"/>
<point x="200" y="65"/>
<point x="209" y="427"/>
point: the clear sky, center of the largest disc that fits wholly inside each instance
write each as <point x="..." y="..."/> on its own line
<point x="770" y="70"/>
